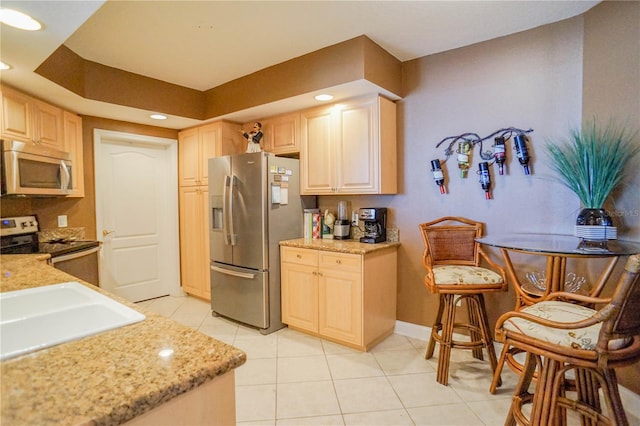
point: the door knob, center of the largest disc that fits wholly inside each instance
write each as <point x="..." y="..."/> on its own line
<point x="105" y="232"/>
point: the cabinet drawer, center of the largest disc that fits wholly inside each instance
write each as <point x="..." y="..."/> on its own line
<point x="299" y="256"/>
<point x="340" y="261"/>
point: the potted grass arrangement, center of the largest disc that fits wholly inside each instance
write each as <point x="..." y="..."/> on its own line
<point x="591" y="163"/>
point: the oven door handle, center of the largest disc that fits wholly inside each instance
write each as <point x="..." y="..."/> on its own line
<point x="74" y="255"/>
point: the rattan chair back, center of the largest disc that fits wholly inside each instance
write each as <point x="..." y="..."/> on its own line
<point x="450" y="240"/>
<point x="621" y="316"/>
<point x="618" y="345"/>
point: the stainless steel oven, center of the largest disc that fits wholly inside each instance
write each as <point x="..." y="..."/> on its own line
<point x="19" y="235"/>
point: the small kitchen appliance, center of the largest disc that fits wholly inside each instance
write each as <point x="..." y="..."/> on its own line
<point x="34" y="171"/>
<point x="342" y="227"/>
<point x="375" y="224"/>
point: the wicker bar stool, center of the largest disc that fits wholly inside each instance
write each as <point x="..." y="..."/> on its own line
<point x="452" y="260"/>
<point x="560" y="335"/>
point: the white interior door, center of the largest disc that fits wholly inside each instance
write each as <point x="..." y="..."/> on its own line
<point x="137" y="214"/>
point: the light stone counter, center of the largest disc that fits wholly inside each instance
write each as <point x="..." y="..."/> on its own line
<point x="109" y="378"/>
<point x="342" y="246"/>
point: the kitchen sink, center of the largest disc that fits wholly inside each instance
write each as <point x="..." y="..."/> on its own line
<point x="41" y="317"/>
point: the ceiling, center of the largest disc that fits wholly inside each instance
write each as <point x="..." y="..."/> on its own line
<point x="202" y="44"/>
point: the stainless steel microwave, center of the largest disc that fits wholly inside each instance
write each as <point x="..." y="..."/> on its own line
<point x="35" y="171"/>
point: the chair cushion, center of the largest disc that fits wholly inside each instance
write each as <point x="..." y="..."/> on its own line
<point x="459" y="274"/>
<point x="582" y="338"/>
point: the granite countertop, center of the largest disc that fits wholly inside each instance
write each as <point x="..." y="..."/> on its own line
<point x="341" y="246"/>
<point x="108" y="378"/>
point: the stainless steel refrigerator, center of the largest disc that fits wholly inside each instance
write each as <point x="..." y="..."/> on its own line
<point x="254" y="203"/>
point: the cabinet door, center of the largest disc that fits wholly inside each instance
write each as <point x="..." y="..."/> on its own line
<point x="188" y="161"/>
<point x="357" y="150"/>
<point x="48" y="125"/>
<point x="282" y="134"/>
<point x="73" y="144"/>
<point x="210" y="146"/>
<point x="194" y="252"/>
<point x="340" y="297"/>
<point x="317" y="168"/>
<point x="299" y="288"/>
<point x="17" y="119"/>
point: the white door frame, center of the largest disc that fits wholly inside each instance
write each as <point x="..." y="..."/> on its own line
<point x="172" y="149"/>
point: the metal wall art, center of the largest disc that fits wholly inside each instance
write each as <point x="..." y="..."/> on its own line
<point x="463" y="145"/>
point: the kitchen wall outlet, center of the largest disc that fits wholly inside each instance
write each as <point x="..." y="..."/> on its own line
<point x="62" y="221"/>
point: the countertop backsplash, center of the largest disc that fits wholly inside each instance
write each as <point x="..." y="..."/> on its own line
<point x="393" y="234"/>
<point x="47" y="235"/>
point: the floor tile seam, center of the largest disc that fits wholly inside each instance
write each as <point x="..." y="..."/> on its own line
<point x="478" y="414"/>
<point x="335" y="394"/>
<point x="309" y="417"/>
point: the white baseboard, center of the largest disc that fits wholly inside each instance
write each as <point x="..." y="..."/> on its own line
<point x="415" y="331"/>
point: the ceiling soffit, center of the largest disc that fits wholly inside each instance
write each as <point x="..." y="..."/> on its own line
<point x="350" y="61"/>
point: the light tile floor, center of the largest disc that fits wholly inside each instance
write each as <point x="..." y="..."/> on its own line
<point x="291" y="378"/>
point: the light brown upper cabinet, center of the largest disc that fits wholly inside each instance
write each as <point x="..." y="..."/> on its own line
<point x="282" y="134"/>
<point x="349" y="148"/>
<point x="73" y="145"/>
<point x="45" y="126"/>
<point x="30" y="120"/>
<point x="198" y="144"/>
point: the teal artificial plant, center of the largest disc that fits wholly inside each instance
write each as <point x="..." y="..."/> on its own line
<point x="592" y="161"/>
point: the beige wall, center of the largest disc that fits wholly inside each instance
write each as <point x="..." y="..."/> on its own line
<point x="611" y="89"/>
<point x="529" y="80"/>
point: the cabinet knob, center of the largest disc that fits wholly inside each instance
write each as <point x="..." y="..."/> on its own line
<point x="298" y="256"/>
<point x="339" y="262"/>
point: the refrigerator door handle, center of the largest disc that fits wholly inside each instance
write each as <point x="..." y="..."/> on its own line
<point x="234" y="273"/>
<point x="225" y="211"/>
<point x="232" y="232"/>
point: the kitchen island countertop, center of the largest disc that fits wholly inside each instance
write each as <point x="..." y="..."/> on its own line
<point x="108" y="378"/>
<point x="342" y="246"/>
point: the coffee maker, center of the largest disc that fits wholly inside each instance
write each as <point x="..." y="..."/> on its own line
<point x="375" y="224"/>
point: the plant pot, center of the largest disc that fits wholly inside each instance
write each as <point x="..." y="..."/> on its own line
<point x="594" y="217"/>
<point x="595" y="225"/>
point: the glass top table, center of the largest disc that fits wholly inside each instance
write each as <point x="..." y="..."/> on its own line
<point x="566" y="245"/>
<point x="557" y="248"/>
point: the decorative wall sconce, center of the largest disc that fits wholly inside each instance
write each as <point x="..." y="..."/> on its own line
<point x="465" y="143"/>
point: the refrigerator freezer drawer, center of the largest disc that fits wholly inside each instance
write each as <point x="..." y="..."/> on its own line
<point x="240" y="294"/>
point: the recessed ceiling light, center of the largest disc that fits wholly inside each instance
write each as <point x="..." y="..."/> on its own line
<point x="19" y="20"/>
<point x="323" y="97"/>
<point x="158" y="116"/>
<point x="4" y="66"/>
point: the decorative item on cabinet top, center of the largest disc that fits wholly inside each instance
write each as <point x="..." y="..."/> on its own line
<point x="464" y="145"/>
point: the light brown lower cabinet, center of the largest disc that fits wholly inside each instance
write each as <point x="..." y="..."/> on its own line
<point x="346" y="298"/>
